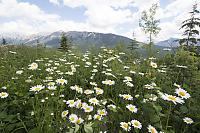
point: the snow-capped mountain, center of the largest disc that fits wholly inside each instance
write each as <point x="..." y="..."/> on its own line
<point x="79" y="38"/>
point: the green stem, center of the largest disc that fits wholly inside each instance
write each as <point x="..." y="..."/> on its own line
<point x="185" y="129"/>
<point x="23" y="124"/>
<point x="170" y="107"/>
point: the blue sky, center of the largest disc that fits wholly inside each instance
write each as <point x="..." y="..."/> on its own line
<point x="106" y="16"/>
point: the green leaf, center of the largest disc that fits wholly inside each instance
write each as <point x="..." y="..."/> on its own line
<point x="158" y="108"/>
<point x="183" y="109"/>
<point x="34" y="130"/>
<point x="71" y="130"/>
<point x="88" y="128"/>
<point x="76" y="128"/>
<point x="113" y="109"/>
<point x="155" y="118"/>
<point x="147" y="96"/>
<point x="157" y="88"/>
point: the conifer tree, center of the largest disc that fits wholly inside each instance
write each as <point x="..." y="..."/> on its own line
<point x="65" y="43"/>
<point x="4" y="41"/>
<point x="133" y="44"/>
<point x="190" y="25"/>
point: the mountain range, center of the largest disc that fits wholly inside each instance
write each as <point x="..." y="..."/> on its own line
<point x="82" y="39"/>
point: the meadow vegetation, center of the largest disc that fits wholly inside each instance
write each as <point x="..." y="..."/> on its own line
<point x="50" y="91"/>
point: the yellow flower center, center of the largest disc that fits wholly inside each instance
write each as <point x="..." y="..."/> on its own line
<point x="172" y="98"/>
<point x="127" y="97"/>
<point x="61" y="80"/>
<point x="35" y="65"/>
<point x="72" y="119"/>
<point x="79" y="88"/>
<point x="110" y="82"/>
<point x="3" y="94"/>
<point x="87" y="108"/>
<point x="93" y="100"/>
<point x="87" y="91"/>
<point x="154" y="64"/>
<point x="71" y="102"/>
<point x="64" y="113"/>
<point x="131" y="108"/>
<point x="101" y="112"/>
<point x="152" y="131"/>
<point x="188" y="120"/>
<point x="98" y="117"/>
<point x="79" y="105"/>
<point x="125" y="125"/>
<point x="37" y="89"/>
<point x="78" y="121"/>
<point x="136" y="123"/>
<point x="182" y="93"/>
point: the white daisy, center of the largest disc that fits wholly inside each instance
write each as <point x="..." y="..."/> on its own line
<point x="93" y="83"/>
<point x="182" y="93"/>
<point x="127" y="97"/>
<point x="154" y="65"/>
<point x="174" y="99"/>
<point x="64" y="113"/>
<point x="188" y="120"/>
<point x="19" y="72"/>
<point x="73" y="118"/>
<point x="88" y="92"/>
<point x="131" y="108"/>
<point x="79" y="121"/>
<point x="71" y="103"/>
<point x="52" y="87"/>
<point x="153" y="97"/>
<point x="94" y="101"/>
<point x="132" y="71"/>
<point x="3" y="94"/>
<point x="78" y="104"/>
<point x="128" y="78"/>
<point x="112" y="106"/>
<point x="125" y="126"/>
<point x="79" y="89"/>
<point x="102" y="112"/>
<point x="61" y="81"/>
<point x="148" y="86"/>
<point x="37" y="88"/>
<point x="98" y="117"/>
<point x="136" y="124"/>
<point x="111" y="82"/>
<point x="151" y="129"/>
<point x="129" y="84"/>
<point x="88" y="108"/>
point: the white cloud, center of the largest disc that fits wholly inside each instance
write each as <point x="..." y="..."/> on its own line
<point x="144" y="4"/>
<point x="179" y="6"/>
<point x="106" y="16"/>
<point x="103" y="13"/>
<point x="23" y="10"/>
<point x="54" y="2"/>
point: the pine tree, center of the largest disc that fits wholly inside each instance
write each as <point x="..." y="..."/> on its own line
<point x="190" y="25"/>
<point x="65" y="43"/>
<point x="38" y="45"/>
<point x="149" y="25"/>
<point x="133" y="44"/>
<point x="4" y="41"/>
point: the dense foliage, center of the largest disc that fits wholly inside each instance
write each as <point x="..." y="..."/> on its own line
<point x="44" y="90"/>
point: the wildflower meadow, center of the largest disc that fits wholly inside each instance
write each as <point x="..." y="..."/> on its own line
<point x="106" y="91"/>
